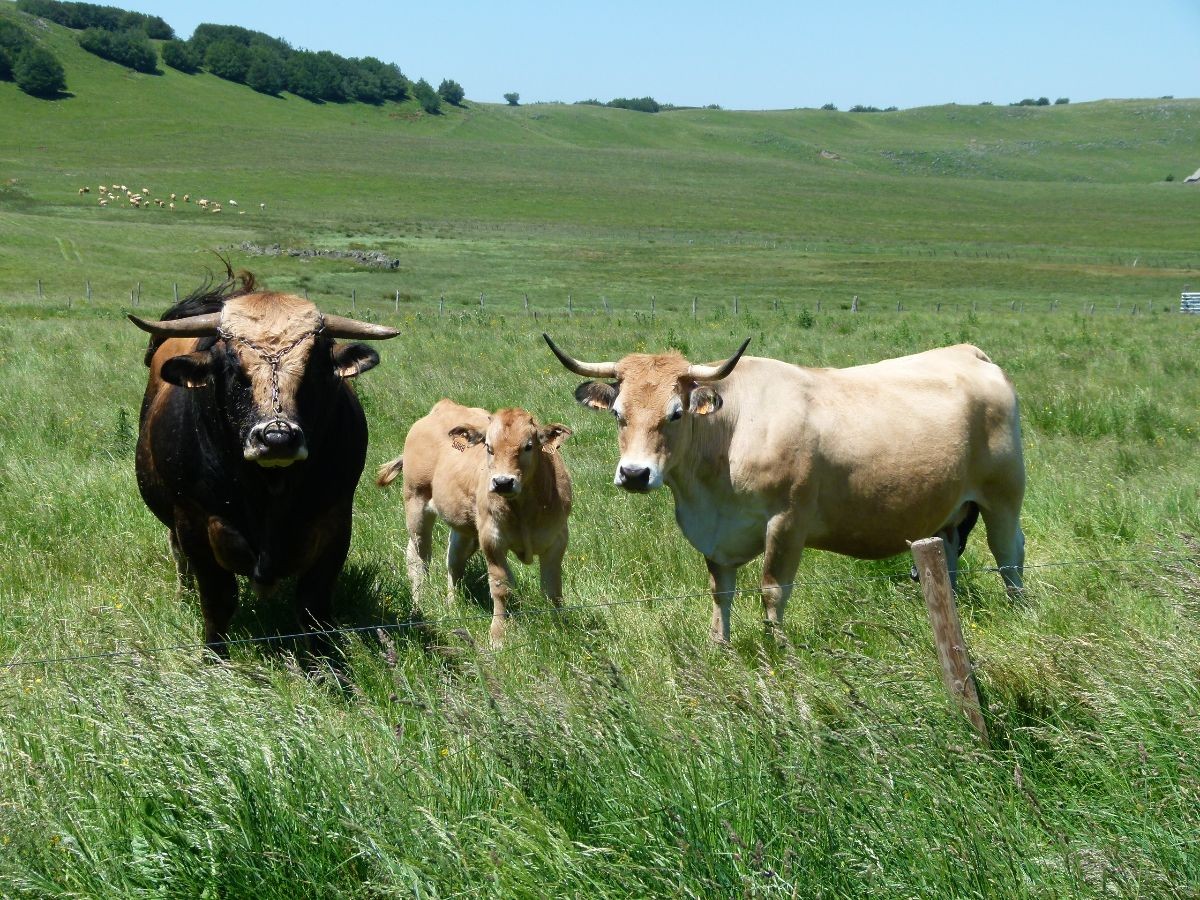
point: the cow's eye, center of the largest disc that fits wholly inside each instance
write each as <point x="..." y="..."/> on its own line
<point x="529" y="444"/>
<point x="675" y="415"/>
<point x="488" y="447"/>
<point x="620" y="419"/>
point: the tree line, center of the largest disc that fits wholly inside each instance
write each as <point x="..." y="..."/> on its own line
<point x="35" y="69"/>
<point x="266" y="64"/>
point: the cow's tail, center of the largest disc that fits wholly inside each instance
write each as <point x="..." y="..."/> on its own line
<point x="389" y="471"/>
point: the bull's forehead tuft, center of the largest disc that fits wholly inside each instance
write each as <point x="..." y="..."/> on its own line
<point x="270" y="319"/>
<point x="511" y="424"/>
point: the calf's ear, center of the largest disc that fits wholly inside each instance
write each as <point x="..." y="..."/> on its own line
<point x="464" y="436"/>
<point x="596" y="394"/>
<point x="552" y="436"/>
<point x="704" y="401"/>
<point x="353" y="359"/>
<point x="190" y="370"/>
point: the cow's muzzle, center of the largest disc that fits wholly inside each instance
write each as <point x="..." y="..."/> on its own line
<point x="504" y="484"/>
<point x="636" y="478"/>
<point x="277" y="442"/>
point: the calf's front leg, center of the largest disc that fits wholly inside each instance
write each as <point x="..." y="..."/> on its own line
<point x="499" y="579"/>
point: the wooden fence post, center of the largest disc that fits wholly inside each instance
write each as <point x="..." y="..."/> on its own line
<point x="854" y="304"/>
<point x="604" y="300"/>
<point x="694" y="307"/>
<point x="652" y="304"/>
<point x="735" y="311"/>
<point x="175" y="290"/>
<point x="396" y="302"/>
<point x="39" y="289"/>
<point x="354" y="300"/>
<point x="526" y="304"/>
<point x="481" y="299"/>
<point x="441" y="304"/>
<point x="570" y="305"/>
<point x="87" y="288"/>
<point x="929" y="555"/>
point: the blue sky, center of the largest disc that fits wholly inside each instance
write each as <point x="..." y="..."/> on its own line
<point x="756" y="54"/>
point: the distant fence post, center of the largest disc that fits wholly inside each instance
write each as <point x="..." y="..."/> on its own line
<point x="570" y="305"/>
<point x="139" y="294"/>
<point x="481" y="299"/>
<point x="735" y="310"/>
<point x="396" y="302"/>
<point x="526" y="304"/>
<point x="87" y="289"/>
<point x="175" y="290"/>
<point x="651" y="304"/>
<point x="39" y="289"/>
<point x="694" y="307"/>
<point x="354" y="300"/>
<point x="929" y="555"/>
<point x="604" y="300"/>
<point x="441" y="304"/>
<point x="854" y="304"/>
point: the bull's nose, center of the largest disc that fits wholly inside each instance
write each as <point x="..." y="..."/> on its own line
<point x="278" y="435"/>
<point x="635" y="478"/>
<point x="504" y="484"/>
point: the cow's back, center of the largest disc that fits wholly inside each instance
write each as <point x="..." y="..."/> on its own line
<point x="439" y="472"/>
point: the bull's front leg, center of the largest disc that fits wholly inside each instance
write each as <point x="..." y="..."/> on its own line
<point x="499" y="580"/>
<point x="721" y="581"/>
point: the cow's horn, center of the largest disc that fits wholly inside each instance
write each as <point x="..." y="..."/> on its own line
<point x="191" y="326"/>
<point x="341" y="327"/>
<point x="587" y="370"/>
<point x="716" y="373"/>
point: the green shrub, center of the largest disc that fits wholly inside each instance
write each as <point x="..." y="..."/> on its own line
<point x="513" y="98"/>
<point x="425" y="95"/>
<point x="638" y="104"/>
<point x="180" y="55"/>
<point x="129" y="48"/>
<point x="266" y="72"/>
<point x="451" y="91"/>
<point x="227" y="59"/>
<point x="38" y="72"/>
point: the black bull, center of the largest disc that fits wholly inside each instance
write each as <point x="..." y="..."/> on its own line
<point x="251" y="444"/>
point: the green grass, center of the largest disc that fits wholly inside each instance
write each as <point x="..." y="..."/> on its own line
<point x="612" y="753"/>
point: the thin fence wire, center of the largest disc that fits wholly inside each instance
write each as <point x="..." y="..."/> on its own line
<point x="458" y="620"/>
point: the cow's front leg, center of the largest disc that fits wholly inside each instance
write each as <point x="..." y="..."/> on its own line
<point x="499" y="579"/>
<point x="721" y="581"/>
<point x="314" y="588"/>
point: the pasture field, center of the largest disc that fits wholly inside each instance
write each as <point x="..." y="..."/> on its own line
<point x="609" y="751"/>
<point x="612" y="753"/>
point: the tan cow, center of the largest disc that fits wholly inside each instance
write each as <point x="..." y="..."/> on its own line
<point x="764" y="456"/>
<point x="499" y="482"/>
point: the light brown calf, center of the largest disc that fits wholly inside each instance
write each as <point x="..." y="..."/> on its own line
<point x="499" y="482"/>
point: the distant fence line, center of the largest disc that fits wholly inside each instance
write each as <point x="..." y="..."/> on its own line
<point x="697" y="306"/>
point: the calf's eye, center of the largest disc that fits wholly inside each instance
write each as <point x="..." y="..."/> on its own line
<point x="675" y="414"/>
<point x="488" y="447"/>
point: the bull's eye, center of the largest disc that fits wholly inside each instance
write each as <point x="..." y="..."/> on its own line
<point x="675" y="414"/>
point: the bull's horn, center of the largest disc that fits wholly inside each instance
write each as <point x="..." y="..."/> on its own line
<point x="191" y="326"/>
<point x="587" y="370"/>
<point x="716" y="373"/>
<point x="341" y="327"/>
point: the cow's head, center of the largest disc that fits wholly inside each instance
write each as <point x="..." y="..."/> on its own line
<point x="271" y="362"/>
<point x="654" y="399"/>
<point x="514" y="442"/>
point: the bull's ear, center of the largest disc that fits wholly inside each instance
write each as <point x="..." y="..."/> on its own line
<point x="704" y="401"/>
<point x="596" y="394"/>
<point x="552" y="436"/>
<point x="190" y="370"/>
<point x="353" y="359"/>
<point x="464" y="436"/>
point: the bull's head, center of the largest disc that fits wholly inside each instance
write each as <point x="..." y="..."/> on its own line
<point x="654" y="399"/>
<point x="270" y="361"/>
<point x="514" y="440"/>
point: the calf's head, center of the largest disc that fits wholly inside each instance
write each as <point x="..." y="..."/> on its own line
<point x="272" y="363"/>
<point x="654" y="399"/>
<point x="514" y="442"/>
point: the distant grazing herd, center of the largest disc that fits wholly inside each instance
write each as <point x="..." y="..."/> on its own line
<point x="252" y="442"/>
<point x="121" y="194"/>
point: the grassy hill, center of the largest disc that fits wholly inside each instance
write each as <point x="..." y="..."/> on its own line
<point x="612" y="753"/>
<point x="969" y="202"/>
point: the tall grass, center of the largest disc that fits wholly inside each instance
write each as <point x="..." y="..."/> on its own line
<point x="610" y="752"/>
